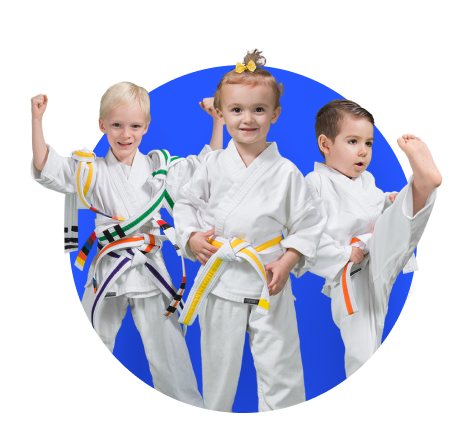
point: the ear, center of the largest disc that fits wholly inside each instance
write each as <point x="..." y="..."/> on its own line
<point x="324" y="144"/>
<point x="276" y="114"/>
<point x="146" y="129"/>
<point x="220" y="116"/>
<point x="102" y="127"/>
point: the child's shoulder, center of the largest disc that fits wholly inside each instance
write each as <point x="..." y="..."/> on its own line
<point x="88" y="156"/>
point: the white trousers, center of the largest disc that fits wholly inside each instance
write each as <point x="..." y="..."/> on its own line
<point x="274" y="342"/>
<point x="165" y="347"/>
<point x="394" y="239"/>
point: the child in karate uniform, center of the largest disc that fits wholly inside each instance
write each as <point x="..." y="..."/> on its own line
<point x="231" y="219"/>
<point x="368" y="240"/>
<point x="130" y="270"/>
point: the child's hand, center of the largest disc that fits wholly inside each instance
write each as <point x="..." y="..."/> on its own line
<point x="38" y="105"/>
<point x="208" y="106"/>
<point x="280" y="276"/>
<point x="357" y="255"/>
<point x="201" y="249"/>
<point x="393" y="196"/>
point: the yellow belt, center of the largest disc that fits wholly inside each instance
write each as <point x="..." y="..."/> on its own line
<point x="229" y="250"/>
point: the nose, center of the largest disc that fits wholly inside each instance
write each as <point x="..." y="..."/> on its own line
<point x="363" y="150"/>
<point x="126" y="132"/>
<point x="247" y="117"/>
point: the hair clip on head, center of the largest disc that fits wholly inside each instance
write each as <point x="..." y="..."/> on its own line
<point x="241" y="68"/>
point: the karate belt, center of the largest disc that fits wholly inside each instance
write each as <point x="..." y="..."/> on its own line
<point x="129" y="252"/>
<point x="346" y="282"/>
<point x="229" y="250"/>
<point x="121" y="236"/>
<point x="362" y="242"/>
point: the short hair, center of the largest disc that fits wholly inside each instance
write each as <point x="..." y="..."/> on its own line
<point x="258" y="77"/>
<point x="330" y="117"/>
<point x="125" y="93"/>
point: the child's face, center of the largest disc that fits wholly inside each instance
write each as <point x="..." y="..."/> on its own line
<point x="124" y="126"/>
<point x="248" y="112"/>
<point x="351" y="151"/>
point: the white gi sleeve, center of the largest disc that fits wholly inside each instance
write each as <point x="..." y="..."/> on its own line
<point x="58" y="174"/>
<point x="306" y="223"/>
<point x="182" y="172"/>
<point x="331" y="255"/>
<point x="331" y="258"/>
<point x="193" y="198"/>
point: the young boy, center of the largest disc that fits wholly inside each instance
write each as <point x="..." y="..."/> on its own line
<point x="129" y="270"/>
<point x="242" y="198"/>
<point x="368" y="240"/>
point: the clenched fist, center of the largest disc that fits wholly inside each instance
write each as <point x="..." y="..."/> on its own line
<point x="208" y="106"/>
<point x="38" y="105"/>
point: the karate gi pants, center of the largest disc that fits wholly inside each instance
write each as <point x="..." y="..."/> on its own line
<point x="274" y="342"/>
<point x="165" y="347"/>
<point x="394" y="240"/>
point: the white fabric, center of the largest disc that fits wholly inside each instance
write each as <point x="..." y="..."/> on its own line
<point x="274" y="343"/>
<point x="117" y="195"/>
<point x="250" y="203"/>
<point x="166" y="351"/>
<point x="357" y="207"/>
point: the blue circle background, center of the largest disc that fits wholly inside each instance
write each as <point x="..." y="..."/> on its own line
<point x="180" y="126"/>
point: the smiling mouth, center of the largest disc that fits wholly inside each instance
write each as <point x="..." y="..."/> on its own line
<point x="124" y="144"/>
<point x="248" y="129"/>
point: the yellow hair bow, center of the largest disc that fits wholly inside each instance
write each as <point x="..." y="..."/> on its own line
<point x="241" y="68"/>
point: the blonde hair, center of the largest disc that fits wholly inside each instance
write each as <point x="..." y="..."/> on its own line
<point x="258" y="77"/>
<point x="125" y="93"/>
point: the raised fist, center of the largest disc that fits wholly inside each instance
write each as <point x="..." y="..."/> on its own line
<point x="38" y="105"/>
<point x="208" y="106"/>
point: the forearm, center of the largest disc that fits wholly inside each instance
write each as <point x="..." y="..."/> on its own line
<point x="290" y="259"/>
<point x="40" y="150"/>
<point x="216" y="142"/>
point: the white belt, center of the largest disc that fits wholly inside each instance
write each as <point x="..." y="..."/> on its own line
<point x="232" y="249"/>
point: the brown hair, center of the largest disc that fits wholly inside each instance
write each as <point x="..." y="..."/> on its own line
<point x="330" y="117"/>
<point x="259" y="76"/>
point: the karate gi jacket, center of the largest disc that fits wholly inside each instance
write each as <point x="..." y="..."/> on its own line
<point x="117" y="195"/>
<point x="250" y="203"/>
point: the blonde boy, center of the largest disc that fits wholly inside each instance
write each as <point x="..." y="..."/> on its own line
<point x="231" y="219"/>
<point x="129" y="272"/>
<point x="368" y="240"/>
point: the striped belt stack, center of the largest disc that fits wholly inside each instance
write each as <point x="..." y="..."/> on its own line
<point x="130" y="252"/>
<point x="233" y="249"/>
<point x="347" y="287"/>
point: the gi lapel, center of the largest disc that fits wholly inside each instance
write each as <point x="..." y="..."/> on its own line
<point x="361" y="197"/>
<point x="245" y="179"/>
<point x="124" y="188"/>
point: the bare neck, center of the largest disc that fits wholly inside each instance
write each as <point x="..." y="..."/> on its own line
<point x="249" y="152"/>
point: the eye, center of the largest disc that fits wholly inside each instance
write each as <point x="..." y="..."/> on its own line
<point x="236" y="110"/>
<point x="259" y="110"/>
<point x="369" y="143"/>
<point x="136" y="126"/>
<point x="116" y="125"/>
<point x="353" y="142"/>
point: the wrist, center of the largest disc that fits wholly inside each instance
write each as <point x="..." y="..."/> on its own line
<point x="290" y="259"/>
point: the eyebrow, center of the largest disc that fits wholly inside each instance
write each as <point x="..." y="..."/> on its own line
<point x="357" y="136"/>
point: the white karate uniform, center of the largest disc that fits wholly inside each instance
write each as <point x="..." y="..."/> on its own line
<point x="118" y="194"/>
<point x="356" y="207"/>
<point x="250" y="203"/>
